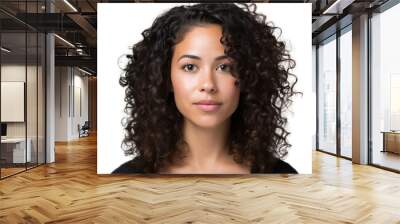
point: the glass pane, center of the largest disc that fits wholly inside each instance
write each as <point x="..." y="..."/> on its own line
<point x="13" y="89"/>
<point x="31" y="100"/>
<point x="346" y="94"/>
<point x="41" y="98"/>
<point x="385" y="89"/>
<point x="314" y="86"/>
<point x="327" y="96"/>
<point x="31" y="84"/>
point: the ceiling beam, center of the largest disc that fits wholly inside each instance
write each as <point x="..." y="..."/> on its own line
<point x="85" y="61"/>
<point x="337" y="6"/>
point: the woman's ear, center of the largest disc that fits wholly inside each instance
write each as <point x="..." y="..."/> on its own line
<point x="237" y="82"/>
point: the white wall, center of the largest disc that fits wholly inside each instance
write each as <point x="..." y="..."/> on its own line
<point x="16" y="72"/>
<point x="62" y="80"/>
<point x="70" y="83"/>
<point x="33" y="126"/>
<point x="80" y="83"/>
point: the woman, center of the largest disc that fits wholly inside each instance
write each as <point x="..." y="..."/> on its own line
<point x="206" y="89"/>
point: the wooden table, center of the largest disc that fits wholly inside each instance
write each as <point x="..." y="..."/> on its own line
<point x="391" y="141"/>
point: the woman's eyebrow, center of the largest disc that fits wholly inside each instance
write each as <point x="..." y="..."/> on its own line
<point x="189" y="56"/>
<point x="198" y="58"/>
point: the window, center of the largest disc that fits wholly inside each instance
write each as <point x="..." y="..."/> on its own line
<point x="327" y="95"/>
<point x="346" y="92"/>
<point x="385" y="89"/>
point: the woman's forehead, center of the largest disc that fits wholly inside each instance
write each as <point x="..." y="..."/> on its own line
<point x="201" y="40"/>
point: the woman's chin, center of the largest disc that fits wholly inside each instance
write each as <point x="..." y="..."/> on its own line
<point x="207" y="123"/>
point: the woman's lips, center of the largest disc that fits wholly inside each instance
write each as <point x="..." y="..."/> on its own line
<point x="208" y="107"/>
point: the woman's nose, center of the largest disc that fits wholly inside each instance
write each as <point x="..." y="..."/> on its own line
<point x="208" y="83"/>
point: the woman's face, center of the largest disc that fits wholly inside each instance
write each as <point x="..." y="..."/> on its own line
<point x="204" y="87"/>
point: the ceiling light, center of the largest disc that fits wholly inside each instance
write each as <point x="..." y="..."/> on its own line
<point x="70" y="5"/>
<point x="5" y="49"/>
<point x="64" y="40"/>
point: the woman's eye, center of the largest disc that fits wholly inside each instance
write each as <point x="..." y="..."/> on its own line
<point x="189" y="67"/>
<point x="224" y="67"/>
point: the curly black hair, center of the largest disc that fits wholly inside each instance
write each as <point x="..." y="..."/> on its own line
<point x="153" y="125"/>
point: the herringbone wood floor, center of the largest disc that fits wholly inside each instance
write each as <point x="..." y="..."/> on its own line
<point x="70" y="191"/>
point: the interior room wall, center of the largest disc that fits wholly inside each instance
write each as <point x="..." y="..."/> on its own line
<point x="80" y="83"/>
<point x="16" y="72"/>
<point x="62" y="80"/>
<point x="70" y="84"/>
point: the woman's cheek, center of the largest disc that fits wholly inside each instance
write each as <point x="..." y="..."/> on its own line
<point x="183" y="86"/>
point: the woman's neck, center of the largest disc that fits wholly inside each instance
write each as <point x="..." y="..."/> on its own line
<point x="207" y="146"/>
